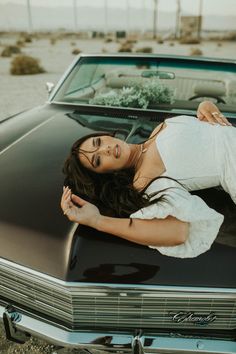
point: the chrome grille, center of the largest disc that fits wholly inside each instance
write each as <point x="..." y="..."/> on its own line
<point x="114" y="307"/>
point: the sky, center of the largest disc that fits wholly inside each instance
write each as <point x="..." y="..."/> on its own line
<point x="209" y="7"/>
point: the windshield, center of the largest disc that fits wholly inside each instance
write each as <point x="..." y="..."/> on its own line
<point x="149" y="83"/>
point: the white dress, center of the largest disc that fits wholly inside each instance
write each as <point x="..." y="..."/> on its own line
<point x="204" y="222"/>
<point x="198" y="154"/>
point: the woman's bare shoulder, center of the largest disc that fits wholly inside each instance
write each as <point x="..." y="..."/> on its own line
<point x="157" y="130"/>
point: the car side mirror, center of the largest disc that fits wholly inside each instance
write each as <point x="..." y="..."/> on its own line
<point x="49" y="86"/>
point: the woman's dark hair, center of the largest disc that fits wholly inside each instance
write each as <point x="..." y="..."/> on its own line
<point x="113" y="193"/>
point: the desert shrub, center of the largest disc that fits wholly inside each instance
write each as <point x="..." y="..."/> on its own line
<point x="160" y="41"/>
<point x="27" y="38"/>
<point x="195" y="51"/>
<point x="219" y="44"/>
<point x="125" y="48"/>
<point x="131" y="40"/>
<point x="72" y="43"/>
<point x="25" y="65"/>
<point x="144" y="50"/>
<point x="9" y="50"/>
<point x="53" y="40"/>
<point x="76" y="51"/>
<point x="139" y="96"/>
<point x="108" y="40"/>
<point x="171" y="44"/>
<point x="20" y="43"/>
<point x="189" y="40"/>
<point x="231" y="36"/>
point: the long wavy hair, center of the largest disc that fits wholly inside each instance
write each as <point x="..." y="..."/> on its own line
<point x="113" y="193"/>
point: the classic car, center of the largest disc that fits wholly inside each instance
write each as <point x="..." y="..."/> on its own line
<point x="79" y="288"/>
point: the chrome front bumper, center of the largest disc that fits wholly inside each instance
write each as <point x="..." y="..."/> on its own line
<point x="112" y="342"/>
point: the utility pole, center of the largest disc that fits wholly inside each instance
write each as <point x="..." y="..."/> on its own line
<point x="144" y="18"/>
<point x="177" y="21"/>
<point x="155" y="19"/>
<point x="128" y="17"/>
<point x="106" y="17"/>
<point x="199" y="32"/>
<point x="30" y="25"/>
<point x="75" y="16"/>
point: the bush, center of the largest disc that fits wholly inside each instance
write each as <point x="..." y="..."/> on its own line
<point x="189" y="40"/>
<point x="125" y="48"/>
<point x="27" y="38"/>
<point x="195" y="51"/>
<point x="231" y="36"/>
<point x="144" y="50"/>
<point x="108" y="40"/>
<point x="171" y="44"/>
<point x="138" y="96"/>
<point x="53" y="40"/>
<point x="25" y="65"/>
<point x="76" y="51"/>
<point x="20" y="43"/>
<point x="9" y="50"/>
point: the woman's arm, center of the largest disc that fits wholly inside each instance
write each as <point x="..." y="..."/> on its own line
<point x="209" y="112"/>
<point x="156" y="232"/>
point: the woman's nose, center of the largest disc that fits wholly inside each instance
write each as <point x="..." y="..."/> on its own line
<point x="106" y="149"/>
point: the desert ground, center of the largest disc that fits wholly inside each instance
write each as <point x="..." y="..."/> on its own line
<point x="18" y="93"/>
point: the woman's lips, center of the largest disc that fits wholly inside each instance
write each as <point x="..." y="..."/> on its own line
<point x="116" y="151"/>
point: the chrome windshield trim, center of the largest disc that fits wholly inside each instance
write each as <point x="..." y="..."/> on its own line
<point x="117" y="342"/>
<point x="229" y="292"/>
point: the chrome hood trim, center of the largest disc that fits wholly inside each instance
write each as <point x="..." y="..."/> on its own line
<point x="117" y="307"/>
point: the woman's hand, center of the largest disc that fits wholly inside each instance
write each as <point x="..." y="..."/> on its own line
<point x="87" y="214"/>
<point x="209" y="112"/>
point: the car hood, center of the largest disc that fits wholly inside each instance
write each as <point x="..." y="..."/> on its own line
<point x="34" y="232"/>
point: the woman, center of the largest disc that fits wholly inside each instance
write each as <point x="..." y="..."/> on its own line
<point x="121" y="177"/>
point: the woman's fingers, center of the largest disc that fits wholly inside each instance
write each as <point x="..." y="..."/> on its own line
<point x="78" y="200"/>
<point x="215" y="117"/>
<point x="209" y="112"/>
<point x="220" y="118"/>
<point x="66" y="202"/>
<point x="200" y="115"/>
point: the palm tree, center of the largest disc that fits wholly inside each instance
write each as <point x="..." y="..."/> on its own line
<point x="155" y="19"/>
<point x="30" y="25"/>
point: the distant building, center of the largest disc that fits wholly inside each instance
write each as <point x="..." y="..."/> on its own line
<point x="190" y="27"/>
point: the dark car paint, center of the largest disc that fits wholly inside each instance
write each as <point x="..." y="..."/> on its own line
<point x="34" y="233"/>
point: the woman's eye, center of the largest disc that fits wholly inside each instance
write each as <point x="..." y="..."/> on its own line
<point x="98" y="161"/>
<point x="98" y="141"/>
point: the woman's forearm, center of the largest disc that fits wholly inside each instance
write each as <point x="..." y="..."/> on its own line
<point x="155" y="232"/>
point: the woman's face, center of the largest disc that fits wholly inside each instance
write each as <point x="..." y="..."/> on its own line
<point x="104" y="154"/>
